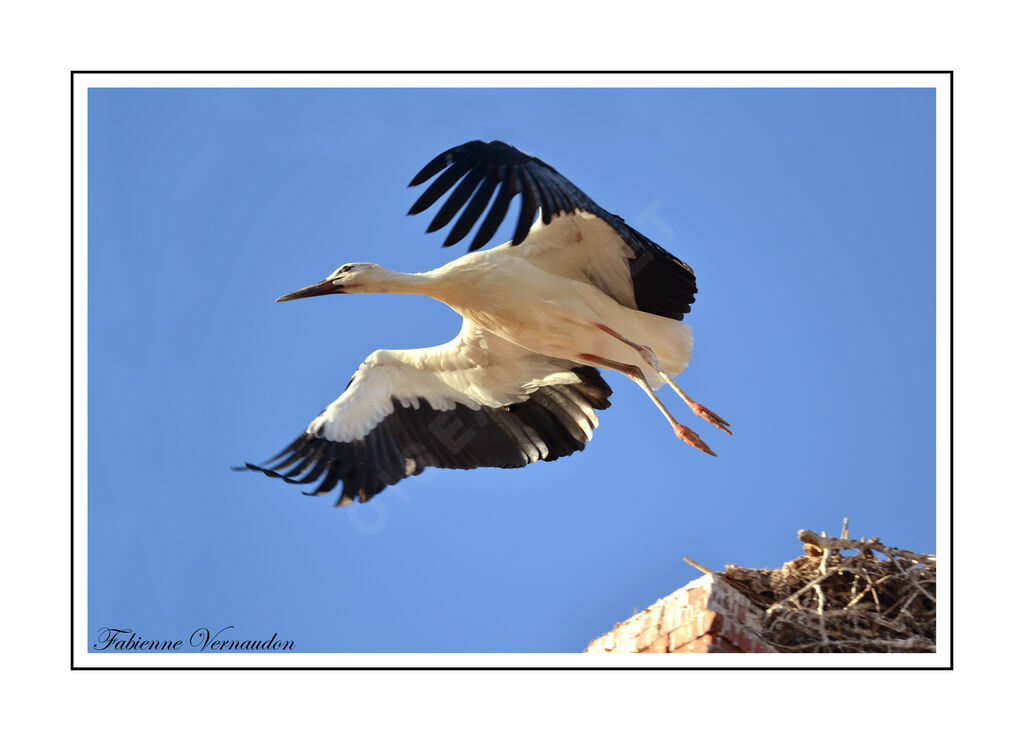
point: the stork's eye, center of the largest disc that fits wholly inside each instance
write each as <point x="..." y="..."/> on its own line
<point x="346" y="268"/>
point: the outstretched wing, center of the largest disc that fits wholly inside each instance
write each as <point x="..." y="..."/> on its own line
<point x="662" y="284"/>
<point x="476" y="401"/>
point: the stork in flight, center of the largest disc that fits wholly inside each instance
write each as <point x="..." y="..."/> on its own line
<point x="577" y="291"/>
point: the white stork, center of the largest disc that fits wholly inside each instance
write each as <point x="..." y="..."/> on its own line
<point x="576" y="291"/>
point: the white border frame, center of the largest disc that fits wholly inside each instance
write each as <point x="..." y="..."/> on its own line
<point x="940" y="81"/>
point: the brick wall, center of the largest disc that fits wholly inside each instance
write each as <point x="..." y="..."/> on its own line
<point x="705" y="616"/>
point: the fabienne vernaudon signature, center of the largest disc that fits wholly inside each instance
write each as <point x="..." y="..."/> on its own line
<point x="202" y="639"/>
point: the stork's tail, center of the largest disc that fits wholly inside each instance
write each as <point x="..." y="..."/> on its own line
<point x="670" y="340"/>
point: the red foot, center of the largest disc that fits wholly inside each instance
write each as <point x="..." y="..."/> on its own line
<point x="690" y="437"/>
<point x="706" y="414"/>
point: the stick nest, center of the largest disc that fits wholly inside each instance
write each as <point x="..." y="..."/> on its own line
<point x="876" y="600"/>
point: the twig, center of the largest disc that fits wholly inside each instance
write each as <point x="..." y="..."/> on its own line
<point x="800" y="591"/>
<point x="821" y="595"/>
<point x="826" y="543"/>
<point x="697" y="566"/>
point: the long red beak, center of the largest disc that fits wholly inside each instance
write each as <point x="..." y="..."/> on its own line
<point x="322" y="288"/>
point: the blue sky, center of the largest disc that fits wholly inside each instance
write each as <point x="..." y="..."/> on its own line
<point x="807" y="215"/>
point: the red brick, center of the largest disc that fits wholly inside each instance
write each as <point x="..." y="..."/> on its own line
<point x="709" y="616"/>
<point x="736" y="637"/>
<point x="651" y="621"/>
<point x="671" y="617"/>
<point x="659" y="646"/>
<point x="647" y="637"/>
<point x="726" y="646"/>
<point x="710" y="622"/>
<point x="682" y="635"/>
<point x="699" y="645"/>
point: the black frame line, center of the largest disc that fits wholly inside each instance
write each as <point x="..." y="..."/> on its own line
<point x="195" y="667"/>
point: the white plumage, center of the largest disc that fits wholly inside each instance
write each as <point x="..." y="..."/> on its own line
<point x="577" y="291"/>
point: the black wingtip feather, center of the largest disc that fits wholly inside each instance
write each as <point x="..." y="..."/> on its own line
<point x="472" y="212"/>
<point x="433" y="167"/>
<point x="494" y="217"/>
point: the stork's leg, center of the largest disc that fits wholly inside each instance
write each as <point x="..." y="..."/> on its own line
<point x="683" y="433"/>
<point x="649" y="357"/>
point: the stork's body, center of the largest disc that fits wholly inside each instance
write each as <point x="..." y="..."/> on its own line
<point x="511" y="292"/>
<point x="579" y="290"/>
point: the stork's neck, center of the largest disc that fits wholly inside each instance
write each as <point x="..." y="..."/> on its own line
<point x="420" y="284"/>
<point x="448" y="284"/>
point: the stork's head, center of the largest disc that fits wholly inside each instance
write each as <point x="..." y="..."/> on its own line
<point x="353" y="277"/>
